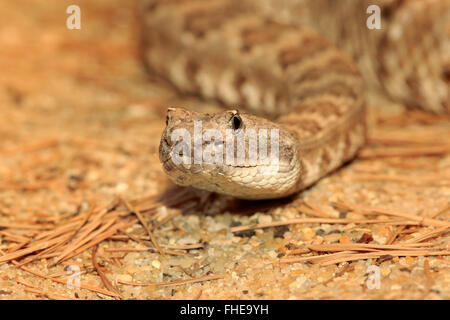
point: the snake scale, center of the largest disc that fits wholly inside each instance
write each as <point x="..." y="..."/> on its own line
<point x="301" y="67"/>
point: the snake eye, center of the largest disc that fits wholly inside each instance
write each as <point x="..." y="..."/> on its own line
<point x="236" y="122"/>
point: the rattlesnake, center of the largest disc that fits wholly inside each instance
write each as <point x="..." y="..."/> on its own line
<point x="262" y="56"/>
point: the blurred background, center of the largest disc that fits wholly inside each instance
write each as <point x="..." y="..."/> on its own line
<point x="74" y="104"/>
<point x="81" y="118"/>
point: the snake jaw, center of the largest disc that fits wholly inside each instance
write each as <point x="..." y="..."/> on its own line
<point x="241" y="177"/>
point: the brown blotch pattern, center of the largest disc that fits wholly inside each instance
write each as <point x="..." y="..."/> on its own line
<point x="309" y="46"/>
<point x="337" y="88"/>
<point x="267" y="33"/>
<point x="326" y="109"/>
<point x="309" y="125"/>
<point x="338" y="64"/>
<point x="206" y="19"/>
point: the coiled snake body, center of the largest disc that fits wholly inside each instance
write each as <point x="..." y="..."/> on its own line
<point x="280" y="73"/>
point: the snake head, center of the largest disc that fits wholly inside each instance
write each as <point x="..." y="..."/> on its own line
<point x="229" y="152"/>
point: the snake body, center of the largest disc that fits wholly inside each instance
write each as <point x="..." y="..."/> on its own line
<point x="271" y="73"/>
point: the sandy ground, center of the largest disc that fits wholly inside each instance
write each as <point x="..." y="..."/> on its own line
<point x="80" y="122"/>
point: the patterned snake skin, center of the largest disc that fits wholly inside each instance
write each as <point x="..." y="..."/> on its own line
<point x="264" y="57"/>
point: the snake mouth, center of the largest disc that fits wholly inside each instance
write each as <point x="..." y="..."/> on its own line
<point x="167" y="164"/>
<point x="220" y="168"/>
<point x="225" y="168"/>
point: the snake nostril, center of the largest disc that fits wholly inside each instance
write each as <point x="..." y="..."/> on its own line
<point x="166" y="141"/>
